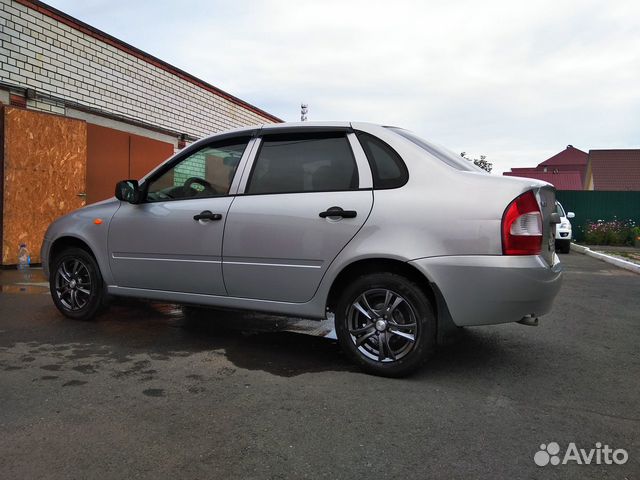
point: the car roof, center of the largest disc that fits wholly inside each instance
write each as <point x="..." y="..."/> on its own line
<point x="304" y="125"/>
<point x="283" y="127"/>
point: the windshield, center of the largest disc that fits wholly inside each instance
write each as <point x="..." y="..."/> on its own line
<point x="560" y="210"/>
<point x="438" y="151"/>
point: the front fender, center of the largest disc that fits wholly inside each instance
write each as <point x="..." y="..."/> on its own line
<point x="82" y="225"/>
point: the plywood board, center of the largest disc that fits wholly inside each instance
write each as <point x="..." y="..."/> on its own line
<point x="45" y="160"/>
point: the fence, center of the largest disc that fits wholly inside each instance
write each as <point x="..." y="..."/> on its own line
<point x="599" y="205"/>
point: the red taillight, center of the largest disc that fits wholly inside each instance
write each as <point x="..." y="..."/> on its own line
<point x="522" y="226"/>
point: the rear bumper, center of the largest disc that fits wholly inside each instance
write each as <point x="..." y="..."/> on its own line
<point x="485" y="290"/>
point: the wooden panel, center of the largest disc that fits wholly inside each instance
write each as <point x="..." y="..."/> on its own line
<point x="146" y="154"/>
<point x="44" y="170"/>
<point x="107" y="161"/>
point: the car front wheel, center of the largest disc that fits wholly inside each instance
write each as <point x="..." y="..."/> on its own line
<point x="386" y="324"/>
<point x="76" y="284"/>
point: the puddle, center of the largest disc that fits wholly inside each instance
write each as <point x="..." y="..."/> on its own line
<point x="25" y="288"/>
<point x="32" y="281"/>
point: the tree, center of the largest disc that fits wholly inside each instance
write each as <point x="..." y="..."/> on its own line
<point x="480" y="162"/>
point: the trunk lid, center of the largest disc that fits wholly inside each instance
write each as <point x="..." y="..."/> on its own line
<point x="546" y="196"/>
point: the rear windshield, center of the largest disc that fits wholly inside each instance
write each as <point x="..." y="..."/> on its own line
<point x="447" y="156"/>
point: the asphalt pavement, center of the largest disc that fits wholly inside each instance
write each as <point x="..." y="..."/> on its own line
<point x="144" y="392"/>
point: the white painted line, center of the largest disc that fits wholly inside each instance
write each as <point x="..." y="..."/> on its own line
<point x="618" y="262"/>
<point x="579" y="248"/>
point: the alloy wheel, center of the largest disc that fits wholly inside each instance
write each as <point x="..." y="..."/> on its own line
<point x="383" y="325"/>
<point x="73" y="284"/>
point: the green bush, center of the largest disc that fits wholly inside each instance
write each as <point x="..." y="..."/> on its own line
<point x="612" y="232"/>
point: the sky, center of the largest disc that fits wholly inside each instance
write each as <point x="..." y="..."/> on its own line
<point x="515" y="81"/>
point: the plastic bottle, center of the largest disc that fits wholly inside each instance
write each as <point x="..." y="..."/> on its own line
<point x="24" y="257"/>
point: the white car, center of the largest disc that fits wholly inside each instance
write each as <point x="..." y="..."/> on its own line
<point x="563" y="229"/>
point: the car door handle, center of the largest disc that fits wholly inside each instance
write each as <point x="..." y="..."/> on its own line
<point x="207" y="215"/>
<point x="338" y="212"/>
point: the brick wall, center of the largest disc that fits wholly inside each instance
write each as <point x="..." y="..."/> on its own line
<point x="195" y="166"/>
<point x="45" y="54"/>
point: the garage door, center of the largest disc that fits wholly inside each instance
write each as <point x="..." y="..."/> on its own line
<point x="114" y="155"/>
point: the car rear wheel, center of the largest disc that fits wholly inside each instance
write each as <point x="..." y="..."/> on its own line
<point x="386" y="324"/>
<point x="76" y="284"/>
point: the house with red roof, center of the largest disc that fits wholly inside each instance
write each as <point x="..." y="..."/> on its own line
<point x="565" y="170"/>
<point x="573" y="169"/>
<point x="613" y="170"/>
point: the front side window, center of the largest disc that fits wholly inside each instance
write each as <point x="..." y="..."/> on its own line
<point x="207" y="172"/>
<point x="304" y="163"/>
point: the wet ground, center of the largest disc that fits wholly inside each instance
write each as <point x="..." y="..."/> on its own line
<point x="145" y="392"/>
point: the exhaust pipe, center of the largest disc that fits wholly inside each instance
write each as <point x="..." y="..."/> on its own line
<point x="529" y="320"/>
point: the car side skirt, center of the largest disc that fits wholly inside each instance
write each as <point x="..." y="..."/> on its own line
<point x="312" y="309"/>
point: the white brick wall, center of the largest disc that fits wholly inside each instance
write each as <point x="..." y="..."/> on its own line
<point x="43" y="53"/>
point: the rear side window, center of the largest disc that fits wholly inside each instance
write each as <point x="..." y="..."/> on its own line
<point x="445" y="155"/>
<point x="292" y="163"/>
<point x="388" y="169"/>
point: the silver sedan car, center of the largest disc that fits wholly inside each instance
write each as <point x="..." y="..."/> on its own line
<point x="400" y="239"/>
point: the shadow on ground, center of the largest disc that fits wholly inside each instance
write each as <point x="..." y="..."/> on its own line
<point x="131" y="327"/>
<point x="249" y="341"/>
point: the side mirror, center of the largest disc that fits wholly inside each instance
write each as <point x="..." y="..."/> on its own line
<point x="128" y="191"/>
<point x="571" y="215"/>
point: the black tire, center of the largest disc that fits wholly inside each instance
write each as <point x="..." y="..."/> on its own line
<point x="400" y="356"/>
<point x="74" y="272"/>
<point x="563" y="246"/>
